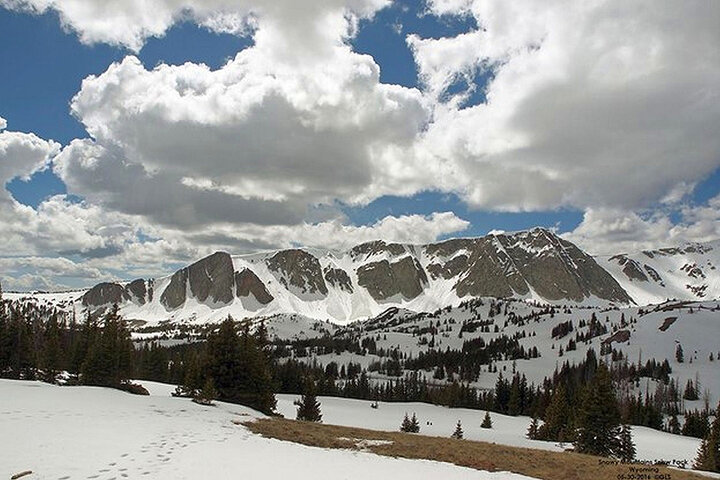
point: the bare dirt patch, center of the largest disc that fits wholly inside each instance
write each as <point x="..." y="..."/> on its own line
<point x="478" y="455"/>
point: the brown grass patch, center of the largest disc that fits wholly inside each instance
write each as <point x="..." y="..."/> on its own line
<point x="467" y="453"/>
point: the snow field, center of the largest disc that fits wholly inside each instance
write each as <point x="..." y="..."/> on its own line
<point x="96" y="433"/>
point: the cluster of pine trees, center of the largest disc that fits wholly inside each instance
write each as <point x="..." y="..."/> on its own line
<point x="40" y="342"/>
<point x="234" y="365"/>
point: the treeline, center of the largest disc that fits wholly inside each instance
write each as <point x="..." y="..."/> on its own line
<point x="39" y="342"/>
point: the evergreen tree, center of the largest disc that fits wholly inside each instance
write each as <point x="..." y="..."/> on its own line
<point x="599" y="416"/>
<point x="487" y="421"/>
<point x="458" y="433"/>
<point x="674" y="425"/>
<point x="532" y="432"/>
<point x="193" y="379"/>
<point x="626" y="447"/>
<point x="414" y="424"/>
<point x="708" y="457"/>
<point x="555" y="426"/>
<point x="108" y="359"/>
<point x="691" y="392"/>
<point x="240" y="368"/>
<point x="410" y="425"/>
<point x="207" y="394"/>
<point x="51" y="354"/>
<point x="308" y="406"/>
<point x="515" y="397"/>
<point x="405" y="426"/>
<point x="679" y="355"/>
<point x="696" y="424"/>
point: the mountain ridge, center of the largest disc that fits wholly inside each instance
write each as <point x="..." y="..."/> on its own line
<point x="366" y="279"/>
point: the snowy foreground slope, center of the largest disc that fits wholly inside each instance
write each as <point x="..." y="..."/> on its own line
<point x="86" y="432"/>
<point x="652" y="445"/>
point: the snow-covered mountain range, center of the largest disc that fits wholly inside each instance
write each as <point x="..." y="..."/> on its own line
<point x="689" y="272"/>
<point x="365" y="280"/>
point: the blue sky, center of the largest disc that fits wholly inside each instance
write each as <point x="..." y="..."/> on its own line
<point x="461" y="142"/>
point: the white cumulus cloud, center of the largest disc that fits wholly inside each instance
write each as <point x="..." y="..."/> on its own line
<point x="610" y="231"/>
<point x="591" y="104"/>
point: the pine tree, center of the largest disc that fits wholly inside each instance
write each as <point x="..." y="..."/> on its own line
<point x="240" y="367"/>
<point x="708" y="457"/>
<point x="51" y="354"/>
<point x="193" y="379"/>
<point x="555" y="426"/>
<point x="691" y="392"/>
<point x="532" y="432"/>
<point x="679" y="355"/>
<point x="406" y="426"/>
<point x="599" y="416"/>
<point x="410" y="425"/>
<point x="458" y="433"/>
<point x="515" y="397"/>
<point x="674" y="425"/>
<point x="308" y="406"/>
<point x="626" y="447"/>
<point x="5" y="341"/>
<point x="487" y="421"/>
<point x="207" y="394"/>
<point x="415" y="424"/>
<point x="109" y="353"/>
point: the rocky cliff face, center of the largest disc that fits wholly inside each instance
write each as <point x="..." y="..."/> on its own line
<point x="384" y="280"/>
<point x="210" y="280"/>
<point x="104" y="294"/>
<point x="298" y="270"/>
<point x="247" y="283"/>
<point x="338" y="278"/>
<point x="370" y="277"/>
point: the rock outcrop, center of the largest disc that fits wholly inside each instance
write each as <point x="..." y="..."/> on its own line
<point x="210" y="280"/>
<point x="338" y="278"/>
<point x="384" y="280"/>
<point x="105" y="294"/>
<point x="298" y="271"/>
<point x="246" y="283"/>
